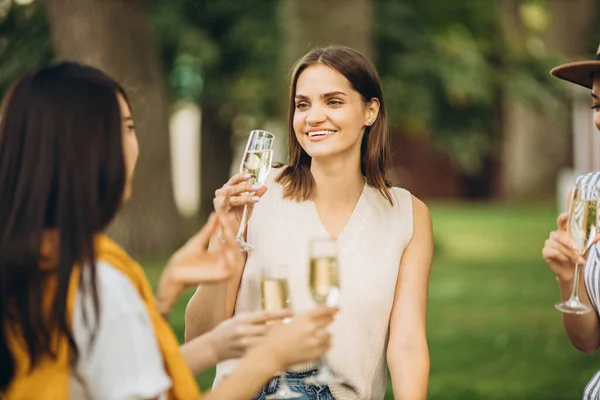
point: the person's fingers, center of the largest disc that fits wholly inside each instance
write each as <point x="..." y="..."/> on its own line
<point x="229" y="248"/>
<point x="561" y="221"/>
<point x="222" y="200"/>
<point x="323" y="312"/>
<point x="563" y="247"/>
<point x="554" y="254"/>
<point x="563" y="238"/>
<point x="255" y="330"/>
<point x="226" y="200"/>
<point x="238" y="178"/>
<point x="261" y="317"/>
<point x="249" y="342"/>
<point x="243" y="188"/>
<point x="240" y="201"/>
<point x="201" y="238"/>
<point x="320" y="317"/>
<point x="260" y="192"/>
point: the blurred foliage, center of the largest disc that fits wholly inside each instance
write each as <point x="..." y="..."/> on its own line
<point x="223" y="54"/>
<point x="24" y="40"/>
<point x="445" y="65"/>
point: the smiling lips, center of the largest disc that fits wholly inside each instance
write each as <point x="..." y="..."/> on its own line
<point x="321" y="133"/>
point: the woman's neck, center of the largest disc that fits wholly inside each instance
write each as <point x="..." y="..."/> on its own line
<point x="337" y="183"/>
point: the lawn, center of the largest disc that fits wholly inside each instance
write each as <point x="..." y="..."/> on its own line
<point x="492" y="329"/>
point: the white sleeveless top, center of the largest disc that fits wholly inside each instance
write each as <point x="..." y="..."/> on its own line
<point x="370" y="249"/>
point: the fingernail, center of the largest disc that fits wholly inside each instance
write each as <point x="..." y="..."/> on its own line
<point x="247" y="176"/>
<point x="256" y="187"/>
<point x="255" y="199"/>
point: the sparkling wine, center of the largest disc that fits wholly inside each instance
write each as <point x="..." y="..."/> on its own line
<point x="324" y="280"/>
<point x="257" y="164"/>
<point x="583" y="222"/>
<point x="275" y="294"/>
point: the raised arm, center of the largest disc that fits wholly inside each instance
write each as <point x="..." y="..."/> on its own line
<point x="212" y="304"/>
<point x="583" y="330"/>
<point x="408" y="354"/>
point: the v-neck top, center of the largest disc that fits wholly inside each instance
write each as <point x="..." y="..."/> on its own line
<point x="370" y="248"/>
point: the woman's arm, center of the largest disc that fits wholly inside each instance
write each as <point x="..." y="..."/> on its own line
<point x="230" y="339"/>
<point x="583" y="330"/>
<point x="193" y="265"/>
<point x="558" y="252"/>
<point x="408" y="354"/>
<point x="302" y="340"/>
<point x="212" y="304"/>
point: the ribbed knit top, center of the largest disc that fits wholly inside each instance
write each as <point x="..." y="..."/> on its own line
<point x="370" y="249"/>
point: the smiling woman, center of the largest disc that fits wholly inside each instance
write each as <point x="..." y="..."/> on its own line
<point x="583" y="329"/>
<point x="334" y="190"/>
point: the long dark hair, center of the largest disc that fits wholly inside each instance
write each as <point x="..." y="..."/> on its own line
<point x="62" y="170"/>
<point x="297" y="179"/>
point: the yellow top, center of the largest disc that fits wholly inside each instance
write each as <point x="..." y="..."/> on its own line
<point x="51" y="375"/>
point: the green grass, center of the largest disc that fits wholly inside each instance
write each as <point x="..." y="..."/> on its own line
<point x="492" y="329"/>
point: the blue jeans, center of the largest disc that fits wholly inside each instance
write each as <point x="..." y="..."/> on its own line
<point x="295" y="382"/>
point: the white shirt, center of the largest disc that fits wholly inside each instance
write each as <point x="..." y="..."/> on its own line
<point x="124" y="361"/>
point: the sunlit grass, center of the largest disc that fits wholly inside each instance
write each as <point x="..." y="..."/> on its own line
<point x="492" y="329"/>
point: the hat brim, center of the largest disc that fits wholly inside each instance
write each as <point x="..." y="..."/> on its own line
<point x="580" y="73"/>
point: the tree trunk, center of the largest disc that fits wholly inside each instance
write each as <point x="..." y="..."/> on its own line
<point x="215" y="156"/>
<point x="536" y="143"/>
<point x="311" y="23"/>
<point x="116" y="37"/>
<point x="314" y="23"/>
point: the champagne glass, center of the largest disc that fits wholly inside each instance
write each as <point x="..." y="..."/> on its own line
<point x="582" y="226"/>
<point x="256" y="162"/>
<point x="325" y="288"/>
<point x="275" y="295"/>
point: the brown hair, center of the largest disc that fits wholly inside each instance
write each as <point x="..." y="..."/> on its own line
<point x="296" y="178"/>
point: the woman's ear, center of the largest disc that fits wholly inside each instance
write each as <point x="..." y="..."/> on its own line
<point x="372" y="111"/>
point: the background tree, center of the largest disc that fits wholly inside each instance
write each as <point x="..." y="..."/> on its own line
<point x="117" y="37"/>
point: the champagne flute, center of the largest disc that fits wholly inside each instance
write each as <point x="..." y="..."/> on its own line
<point x="325" y="288"/>
<point x="276" y="296"/>
<point x="582" y="226"/>
<point x="256" y="162"/>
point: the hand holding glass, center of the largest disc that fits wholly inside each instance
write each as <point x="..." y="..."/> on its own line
<point x="325" y="288"/>
<point x="582" y="227"/>
<point x="276" y="296"/>
<point x="257" y="163"/>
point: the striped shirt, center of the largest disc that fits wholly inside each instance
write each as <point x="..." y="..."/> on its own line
<point x="592" y="284"/>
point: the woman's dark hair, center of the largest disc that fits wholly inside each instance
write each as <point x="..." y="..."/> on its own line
<point x="62" y="171"/>
<point x="297" y="179"/>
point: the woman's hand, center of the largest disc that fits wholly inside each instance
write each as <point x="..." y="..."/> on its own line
<point x="237" y="193"/>
<point x="559" y="251"/>
<point x="303" y="339"/>
<point x="232" y="337"/>
<point x="193" y="264"/>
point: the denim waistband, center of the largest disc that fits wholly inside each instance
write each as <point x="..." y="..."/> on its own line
<point x="295" y="381"/>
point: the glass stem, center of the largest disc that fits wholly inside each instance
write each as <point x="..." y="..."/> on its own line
<point x="575" y="291"/>
<point x="243" y="223"/>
